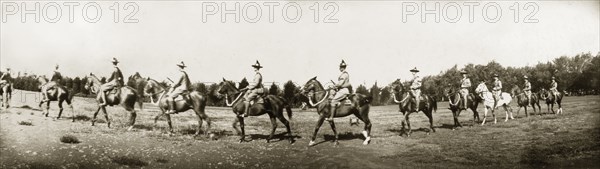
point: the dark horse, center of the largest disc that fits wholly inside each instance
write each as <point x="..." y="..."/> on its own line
<point x="550" y="100"/>
<point x="359" y="107"/>
<point x="124" y="96"/>
<point x="456" y="102"/>
<point x="193" y="100"/>
<point x="273" y="106"/>
<point x="407" y="105"/>
<point x="522" y="100"/>
<point x="60" y="94"/>
<point x="138" y="83"/>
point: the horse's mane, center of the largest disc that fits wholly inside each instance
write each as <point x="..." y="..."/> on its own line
<point x="42" y="79"/>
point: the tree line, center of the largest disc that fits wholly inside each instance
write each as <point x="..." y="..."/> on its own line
<point x="577" y="75"/>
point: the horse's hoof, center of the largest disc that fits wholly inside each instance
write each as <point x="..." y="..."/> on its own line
<point x="428" y="133"/>
<point x="268" y="141"/>
<point x="241" y="141"/>
<point x="311" y="143"/>
<point x="292" y="141"/>
<point x="130" y="128"/>
<point x="367" y="141"/>
<point x="336" y="143"/>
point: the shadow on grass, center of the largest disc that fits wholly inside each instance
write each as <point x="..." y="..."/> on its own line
<point x="80" y="118"/>
<point x="276" y="137"/>
<point x="129" y="161"/>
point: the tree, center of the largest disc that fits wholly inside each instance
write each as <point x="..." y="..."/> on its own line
<point x="200" y="87"/>
<point x="385" y="96"/>
<point x="244" y="83"/>
<point x="289" y="91"/>
<point x="274" y="90"/>
<point x="362" y="90"/>
<point x="76" y="85"/>
<point x="374" y="92"/>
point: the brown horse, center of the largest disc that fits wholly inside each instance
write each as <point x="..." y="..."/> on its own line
<point x="193" y="100"/>
<point x="456" y="103"/>
<point x="60" y="94"/>
<point x="523" y="102"/>
<point x="359" y="107"/>
<point x="273" y="106"/>
<point x="407" y="105"/>
<point x="550" y="100"/>
<point x="124" y="96"/>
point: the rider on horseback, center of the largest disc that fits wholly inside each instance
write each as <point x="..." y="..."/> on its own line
<point x="465" y="84"/>
<point x="254" y="90"/>
<point x="339" y="91"/>
<point x="527" y="89"/>
<point x="554" y="88"/>
<point x="5" y="79"/>
<point x="182" y="86"/>
<point x="115" y="80"/>
<point x="54" y="81"/>
<point x="415" y="87"/>
<point x="497" y="90"/>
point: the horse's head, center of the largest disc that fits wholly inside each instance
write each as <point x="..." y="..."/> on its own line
<point x="43" y="80"/>
<point x="397" y="86"/>
<point x="226" y="87"/>
<point x="152" y="87"/>
<point x="89" y="82"/>
<point x="515" y="91"/>
<point x="481" y="88"/>
<point x="544" y="93"/>
<point x="311" y="86"/>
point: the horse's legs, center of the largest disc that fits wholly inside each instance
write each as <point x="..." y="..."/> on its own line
<point x="429" y="115"/>
<point x="319" y="124"/>
<point x="367" y="130"/>
<point x="234" y="125"/>
<point x="519" y="109"/>
<point x="202" y="117"/>
<point x="510" y="110"/>
<point x="484" y="114"/>
<point x="95" y="114"/>
<point x="105" y="115"/>
<point x="169" y="123"/>
<point x="406" y="118"/>
<point x="506" y="111"/>
<point x="559" y="106"/>
<point x="494" y="116"/>
<point x="241" y="120"/>
<point x="47" y="108"/>
<point x="132" y="117"/>
<point x="273" y="127"/>
<point x="335" y="134"/>
<point x="60" y="109"/>
<point x="402" y="121"/>
<point x="526" y="113"/>
<point x="552" y="108"/>
<point x="287" y="127"/>
<point x="455" y="117"/>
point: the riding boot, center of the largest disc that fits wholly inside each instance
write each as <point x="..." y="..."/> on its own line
<point x="103" y="96"/>
<point x="555" y="98"/>
<point x="417" y="102"/>
<point x="332" y="107"/>
<point x="45" y="97"/>
<point x="495" y="102"/>
<point x="465" y="99"/>
<point x="246" y="109"/>
<point x="171" y="103"/>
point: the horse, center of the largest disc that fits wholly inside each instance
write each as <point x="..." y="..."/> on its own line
<point x="550" y="100"/>
<point x="523" y="102"/>
<point x="124" y="96"/>
<point x="60" y="94"/>
<point x="6" y="93"/>
<point x="193" y="100"/>
<point x="359" y="107"/>
<point x="407" y="106"/>
<point x="138" y="83"/>
<point x="273" y="106"/>
<point x="456" y="102"/>
<point x="488" y="101"/>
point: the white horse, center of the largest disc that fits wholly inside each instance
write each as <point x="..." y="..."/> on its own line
<point x="488" y="102"/>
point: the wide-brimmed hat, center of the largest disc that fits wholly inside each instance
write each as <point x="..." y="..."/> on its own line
<point x="114" y="60"/>
<point x="495" y="75"/>
<point x="525" y="77"/>
<point x="553" y="78"/>
<point x="181" y="65"/>
<point x="56" y="67"/>
<point x="414" y="70"/>
<point x="257" y="65"/>
<point x="7" y="69"/>
<point x="463" y="72"/>
<point x="343" y="64"/>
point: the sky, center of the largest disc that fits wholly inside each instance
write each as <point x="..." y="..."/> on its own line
<point x="372" y="37"/>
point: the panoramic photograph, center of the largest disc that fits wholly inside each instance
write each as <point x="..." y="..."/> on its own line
<point x="299" y="84"/>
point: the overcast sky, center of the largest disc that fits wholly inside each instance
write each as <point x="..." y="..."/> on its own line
<point x="370" y="36"/>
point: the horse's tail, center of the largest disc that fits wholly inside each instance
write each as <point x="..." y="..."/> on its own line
<point x="434" y="104"/>
<point x="288" y="108"/>
<point x="70" y="96"/>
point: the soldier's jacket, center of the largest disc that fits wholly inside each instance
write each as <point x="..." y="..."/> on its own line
<point x="343" y="81"/>
<point x="527" y="86"/>
<point x="56" y="77"/>
<point x="5" y="76"/>
<point x="183" y="82"/>
<point x="257" y="82"/>
<point x="118" y="76"/>
<point x="416" y="83"/>
<point x="497" y="85"/>
<point x="554" y="86"/>
<point x="465" y="83"/>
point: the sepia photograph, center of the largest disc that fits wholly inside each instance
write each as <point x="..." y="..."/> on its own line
<point x="305" y="84"/>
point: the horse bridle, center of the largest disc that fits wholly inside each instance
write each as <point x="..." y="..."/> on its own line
<point x="314" y="95"/>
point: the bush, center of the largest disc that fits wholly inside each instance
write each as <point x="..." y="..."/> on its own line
<point x="70" y="139"/>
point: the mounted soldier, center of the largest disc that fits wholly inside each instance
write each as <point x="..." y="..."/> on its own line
<point x="465" y="85"/>
<point x="182" y="87"/>
<point x="415" y="87"/>
<point x="116" y="80"/>
<point x="554" y="88"/>
<point x="527" y="88"/>
<point x="253" y="90"/>
<point x="5" y="80"/>
<point x="497" y="90"/>
<point x="52" y="84"/>
<point x="339" y="90"/>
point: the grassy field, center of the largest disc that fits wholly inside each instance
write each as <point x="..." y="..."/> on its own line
<point x="28" y="140"/>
